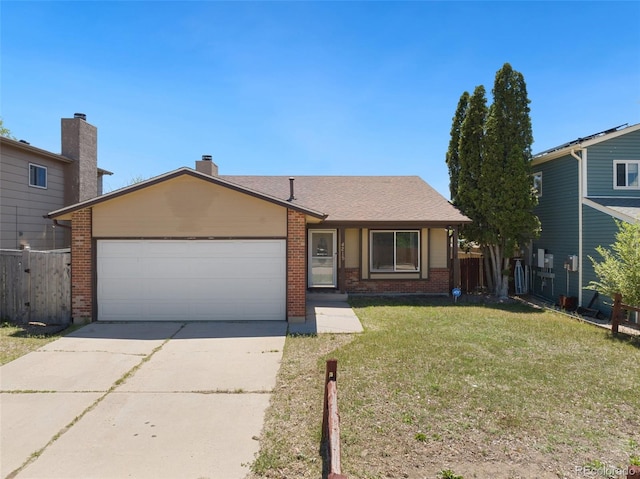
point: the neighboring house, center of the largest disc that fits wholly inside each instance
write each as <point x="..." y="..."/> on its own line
<point x="194" y="245"/>
<point x="584" y="186"/>
<point x="35" y="181"/>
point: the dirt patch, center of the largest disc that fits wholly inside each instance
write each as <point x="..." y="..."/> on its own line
<point x="37" y="329"/>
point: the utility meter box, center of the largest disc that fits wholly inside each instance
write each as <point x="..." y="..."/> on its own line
<point x="545" y="260"/>
<point x="572" y="262"/>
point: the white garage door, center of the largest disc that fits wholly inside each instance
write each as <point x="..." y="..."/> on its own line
<point x="156" y="280"/>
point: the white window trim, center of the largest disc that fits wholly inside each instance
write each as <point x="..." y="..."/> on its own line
<point x="537" y="174"/>
<point x="46" y="176"/>
<point x="615" y="174"/>
<point x="395" y="270"/>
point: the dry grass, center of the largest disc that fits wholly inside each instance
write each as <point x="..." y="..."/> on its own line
<point x="501" y="391"/>
<point x="16" y="341"/>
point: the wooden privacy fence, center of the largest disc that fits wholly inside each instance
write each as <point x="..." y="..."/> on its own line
<point x="331" y="421"/>
<point x="472" y="276"/>
<point x="616" y="313"/>
<point x="35" y="286"/>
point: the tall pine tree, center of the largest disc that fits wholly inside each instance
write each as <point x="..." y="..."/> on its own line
<point x="453" y="157"/>
<point x="494" y="182"/>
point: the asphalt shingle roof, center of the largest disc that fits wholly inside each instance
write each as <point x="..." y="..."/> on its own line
<point x="360" y="198"/>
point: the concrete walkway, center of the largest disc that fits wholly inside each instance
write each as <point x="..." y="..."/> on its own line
<point x="327" y="313"/>
<point x="143" y="400"/>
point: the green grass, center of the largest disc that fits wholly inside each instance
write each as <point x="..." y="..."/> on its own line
<point x="16" y="342"/>
<point x="430" y="386"/>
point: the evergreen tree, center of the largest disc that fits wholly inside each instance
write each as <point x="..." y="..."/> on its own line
<point x="470" y="152"/>
<point x="494" y="182"/>
<point x="452" y="157"/>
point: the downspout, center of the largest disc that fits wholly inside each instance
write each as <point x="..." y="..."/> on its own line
<point x="582" y="187"/>
<point x="56" y="224"/>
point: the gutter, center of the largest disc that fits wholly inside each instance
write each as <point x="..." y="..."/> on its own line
<point x="56" y="223"/>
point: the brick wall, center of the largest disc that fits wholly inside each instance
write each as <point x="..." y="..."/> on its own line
<point x="296" y="266"/>
<point x="81" y="267"/>
<point x="437" y="283"/>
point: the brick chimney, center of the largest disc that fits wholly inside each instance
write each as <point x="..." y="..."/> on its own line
<point x="207" y="166"/>
<point x="80" y="143"/>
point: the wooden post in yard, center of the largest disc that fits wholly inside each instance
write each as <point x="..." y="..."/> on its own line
<point x="331" y="372"/>
<point x="331" y="421"/>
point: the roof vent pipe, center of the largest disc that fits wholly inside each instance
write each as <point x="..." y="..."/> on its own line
<point x="82" y="116"/>
<point x="207" y="158"/>
<point x="291" y="196"/>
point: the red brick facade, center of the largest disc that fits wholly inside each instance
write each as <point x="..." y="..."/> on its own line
<point x="81" y="267"/>
<point x="296" y="266"/>
<point x="437" y="283"/>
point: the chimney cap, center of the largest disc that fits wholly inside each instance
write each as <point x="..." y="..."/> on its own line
<point x="207" y="158"/>
<point x="82" y="116"/>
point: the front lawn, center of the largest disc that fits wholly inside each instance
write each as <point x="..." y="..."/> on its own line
<point x="496" y="391"/>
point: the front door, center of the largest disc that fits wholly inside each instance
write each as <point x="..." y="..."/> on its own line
<point x="322" y="258"/>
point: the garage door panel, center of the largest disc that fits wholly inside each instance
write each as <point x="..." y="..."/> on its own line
<point x="120" y="249"/>
<point x="120" y="288"/>
<point x="191" y="280"/>
<point x="119" y="267"/>
<point x="121" y="310"/>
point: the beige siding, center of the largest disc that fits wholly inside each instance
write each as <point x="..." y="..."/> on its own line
<point x="22" y="207"/>
<point x="364" y="271"/>
<point x="424" y="253"/>
<point x="188" y="207"/>
<point x="438" y="248"/>
<point x="351" y="248"/>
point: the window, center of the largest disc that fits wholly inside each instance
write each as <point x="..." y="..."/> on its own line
<point x="537" y="183"/>
<point x="395" y="251"/>
<point x="625" y="174"/>
<point x="37" y="176"/>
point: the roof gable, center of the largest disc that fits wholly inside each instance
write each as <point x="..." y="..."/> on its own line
<point x="168" y="177"/>
<point x="338" y="199"/>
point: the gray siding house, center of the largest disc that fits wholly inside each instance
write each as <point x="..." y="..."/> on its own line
<point x="34" y="181"/>
<point x="584" y="186"/>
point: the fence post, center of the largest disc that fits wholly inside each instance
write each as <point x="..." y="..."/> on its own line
<point x="330" y="375"/>
<point x="330" y="421"/>
<point x="615" y="313"/>
<point x="25" y="294"/>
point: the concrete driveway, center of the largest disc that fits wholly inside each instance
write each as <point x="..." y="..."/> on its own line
<point x="156" y="400"/>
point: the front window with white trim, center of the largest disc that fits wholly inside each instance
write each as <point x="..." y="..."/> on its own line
<point x="395" y="251"/>
<point x="37" y="176"/>
<point x="625" y="174"/>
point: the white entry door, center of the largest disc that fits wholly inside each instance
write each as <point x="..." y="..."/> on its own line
<point x="190" y="280"/>
<point x="322" y="258"/>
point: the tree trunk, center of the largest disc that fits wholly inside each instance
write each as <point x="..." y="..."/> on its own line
<point x="486" y="257"/>
<point x="499" y="271"/>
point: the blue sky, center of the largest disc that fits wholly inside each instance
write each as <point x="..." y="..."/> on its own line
<point x="306" y="88"/>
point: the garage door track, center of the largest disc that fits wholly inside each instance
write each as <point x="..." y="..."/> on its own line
<point x="156" y="400"/>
